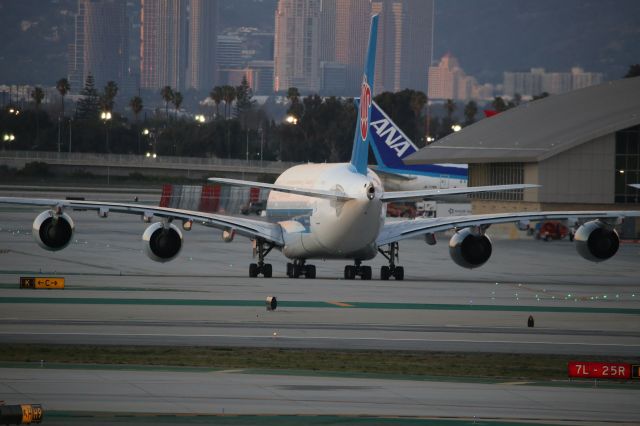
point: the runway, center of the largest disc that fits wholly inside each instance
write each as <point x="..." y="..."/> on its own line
<point x="90" y="392"/>
<point x="115" y="295"/>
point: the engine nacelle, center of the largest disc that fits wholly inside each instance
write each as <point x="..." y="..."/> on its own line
<point x="53" y="231"/>
<point x="228" y="234"/>
<point x="596" y="241"/>
<point x="162" y="242"/>
<point x="470" y="249"/>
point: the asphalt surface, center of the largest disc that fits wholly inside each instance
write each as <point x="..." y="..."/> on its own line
<point x="238" y="392"/>
<point x="115" y="295"/>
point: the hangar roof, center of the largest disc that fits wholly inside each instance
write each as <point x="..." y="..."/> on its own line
<point x="541" y="129"/>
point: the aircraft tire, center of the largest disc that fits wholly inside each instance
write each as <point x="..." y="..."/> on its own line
<point x="310" y="271"/>
<point x="349" y="272"/>
<point x="399" y="273"/>
<point x="385" y="273"/>
<point x="253" y="270"/>
<point x="267" y="270"/>
<point x="366" y="273"/>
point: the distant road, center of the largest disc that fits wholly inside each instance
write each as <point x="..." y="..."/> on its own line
<point x="124" y="164"/>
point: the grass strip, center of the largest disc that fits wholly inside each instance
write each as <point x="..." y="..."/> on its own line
<point x="511" y="367"/>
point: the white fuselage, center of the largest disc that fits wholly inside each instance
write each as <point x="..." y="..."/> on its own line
<point x="409" y="182"/>
<point x="320" y="228"/>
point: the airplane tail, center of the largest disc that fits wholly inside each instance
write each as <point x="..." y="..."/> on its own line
<point x="361" y="140"/>
<point x="391" y="146"/>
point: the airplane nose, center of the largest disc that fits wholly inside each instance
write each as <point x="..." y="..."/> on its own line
<point x="371" y="191"/>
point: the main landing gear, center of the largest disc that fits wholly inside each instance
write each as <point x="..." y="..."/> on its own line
<point x="391" y="254"/>
<point x="298" y="268"/>
<point x="351" y="271"/>
<point x="261" y="249"/>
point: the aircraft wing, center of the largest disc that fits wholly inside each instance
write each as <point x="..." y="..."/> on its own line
<point x="246" y="227"/>
<point x="435" y="193"/>
<point x="309" y="192"/>
<point x="396" y="231"/>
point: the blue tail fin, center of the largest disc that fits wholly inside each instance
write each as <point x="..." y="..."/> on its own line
<point x="360" y="153"/>
<point x="390" y="146"/>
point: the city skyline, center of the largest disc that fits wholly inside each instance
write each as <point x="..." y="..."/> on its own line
<point x="336" y="63"/>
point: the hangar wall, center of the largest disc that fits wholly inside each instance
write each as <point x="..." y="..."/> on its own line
<point x="583" y="174"/>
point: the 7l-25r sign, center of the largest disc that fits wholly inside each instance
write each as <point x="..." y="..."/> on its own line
<point x="600" y="370"/>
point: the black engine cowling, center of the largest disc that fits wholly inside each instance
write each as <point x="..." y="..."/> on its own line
<point x="470" y="249"/>
<point x="53" y="231"/>
<point x="596" y="241"/>
<point x="162" y="243"/>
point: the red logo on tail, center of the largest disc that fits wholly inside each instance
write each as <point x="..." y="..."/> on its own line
<point x="365" y="103"/>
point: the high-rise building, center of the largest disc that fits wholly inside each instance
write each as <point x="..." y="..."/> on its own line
<point x="405" y="40"/>
<point x="447" y="80"/>
<point x="297" y="53"/>
<point x="101" y="44"/>
<point x="163" y="45"/>
<point x="538" y="80"/>
<point x="327" y="36"/>
<point x="352" y="21"/>
<point x="203" y="27"/>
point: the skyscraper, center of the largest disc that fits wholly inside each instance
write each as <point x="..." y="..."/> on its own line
<point x="163" y="45"/>
<point x="404" y="44"/>
<point x="101" y="45"/>
<point x="203" y="28"/>
<point x="297" y="56"/>
<point x="352" y="20"/>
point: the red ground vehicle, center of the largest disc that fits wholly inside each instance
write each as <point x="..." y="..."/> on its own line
<point x="401" y="210"/>
<point x="551" y="230"/>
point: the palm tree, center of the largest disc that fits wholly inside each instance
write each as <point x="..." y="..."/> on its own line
<point x="418" y="101"/>
<point x="177" y="101"/>
<point x="110" y="92"/>
<point x="37" y="95"/>
<point x="229" y="95"/>
<point x="450" y="106"/>
<point x="470" y="111"/>
<point x="167" y="96"/>
<point x="63" y="87"/>
<point x="217" y="96"/>
<point x="136" y="106"/>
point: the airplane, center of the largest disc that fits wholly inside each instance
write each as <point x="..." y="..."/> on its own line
<point x="391" y="146"/>
<point x="329" y="211"/>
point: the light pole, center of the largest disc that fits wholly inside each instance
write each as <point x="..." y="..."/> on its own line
<point x="152" y="134"/>
<point x="261" y="143"/>
<point x="7" y="138"/>
<point x="70" y="122"/>
<point x="106" y="116"/>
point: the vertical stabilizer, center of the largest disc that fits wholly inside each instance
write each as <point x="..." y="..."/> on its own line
<point x="360" y="153"/>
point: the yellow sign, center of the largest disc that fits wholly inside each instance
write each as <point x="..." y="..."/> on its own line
<point x="41" y="282"/>
<point x="31" y="414"/>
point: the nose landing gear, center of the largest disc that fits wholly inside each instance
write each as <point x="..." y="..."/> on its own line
<point x="391" y="254"/>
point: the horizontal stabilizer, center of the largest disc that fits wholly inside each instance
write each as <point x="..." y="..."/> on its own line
<point x="309" y="192"/>
<point x="435" y="193"/>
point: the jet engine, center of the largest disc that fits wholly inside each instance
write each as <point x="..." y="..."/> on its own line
<point x="162" y="242"/>
<point x="596" y="241"/>
<point x="53" y="231"/>
<point x="469" y="248"/>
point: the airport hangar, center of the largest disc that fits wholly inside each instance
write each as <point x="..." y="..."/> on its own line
<point x="583" y="147"/>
